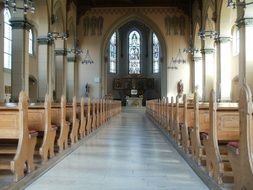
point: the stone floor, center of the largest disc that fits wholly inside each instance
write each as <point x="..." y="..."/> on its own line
<point x="129" y="153"/>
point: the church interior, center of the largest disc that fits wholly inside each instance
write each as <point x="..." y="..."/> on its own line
<point x="168" y="75"/>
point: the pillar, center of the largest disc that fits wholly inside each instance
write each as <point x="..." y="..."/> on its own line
<point x="70" y="77"/>
<point x="224" y="80"/>
<point x="45" y="53"/>
<point x="245" y="26"/>
<point x="2" y="89"/>
<point x="60" y="73"/>
<point x="208" y="71"/>
<point x="20" y="58"/>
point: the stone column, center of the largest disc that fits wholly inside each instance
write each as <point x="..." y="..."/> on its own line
<point x="197" y="60"/>
<point x="76" y="77"/>
<point x="20" y="56"/>
<point x="60" y="72"/>
<point x="71" y="76"/>
<point x="2" y="89"/>
<point x="208" y="71"/>
<point x="245" y="26"/>
<point x="223" y="83"/>
<point x="45" y="53"/>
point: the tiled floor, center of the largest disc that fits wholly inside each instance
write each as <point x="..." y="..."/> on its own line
<point x="128" y="154"/>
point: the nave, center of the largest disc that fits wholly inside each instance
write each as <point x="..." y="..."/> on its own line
<point x="129" y="152"/>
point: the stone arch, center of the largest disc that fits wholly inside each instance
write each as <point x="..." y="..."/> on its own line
<point x="143" y="19"/>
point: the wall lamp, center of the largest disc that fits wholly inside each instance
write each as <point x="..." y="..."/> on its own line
<point x="242" y="3"/>
<point x="28" y="6"/>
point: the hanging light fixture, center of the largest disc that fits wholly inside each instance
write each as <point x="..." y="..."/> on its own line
<point x="191" y="48"/>
<point x="209" y="32"/>
<point x="87" y="58"/>
<point x="55" y="35"/>
<point x="28" y="6"/>
<point x="241" y="3"/>
<point x="179" y="59"/>
<point x="172" y="64"/>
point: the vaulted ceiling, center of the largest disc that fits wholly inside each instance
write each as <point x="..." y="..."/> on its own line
<point x="84" y="5"/>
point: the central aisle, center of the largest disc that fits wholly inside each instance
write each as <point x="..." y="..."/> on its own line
<point x="129" y="153"/>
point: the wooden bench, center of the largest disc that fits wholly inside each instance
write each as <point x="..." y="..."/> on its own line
<point x="39" y="119"/>
<point x="59" y="119"/>
<point x="88" y="116"/>
<point x="240" y="153"/>
<point x="188" y="120"/>
<point x="178" y="122"/>
<point x="71" y="117"/>
<point x="13" y="126"/>
<point x="81" y="115"/>
<point x="171" y="116"/>
<point x="94" y="116"/>
<point x="223" y="127"/>
<point x="200" y="126"/>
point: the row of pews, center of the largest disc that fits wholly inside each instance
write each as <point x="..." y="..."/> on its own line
<point x="31" y="133"/>
<point x="216" y="136"/>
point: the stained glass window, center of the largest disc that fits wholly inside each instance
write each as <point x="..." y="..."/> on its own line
<point x="134" y="52"/>
<point x="30" y="49"/>
<point x="7" y="39"/>
<point x="156" y="54"/>
<point x="113" y="53"/>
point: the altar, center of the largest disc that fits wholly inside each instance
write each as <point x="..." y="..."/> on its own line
<point x="133" y="101"/>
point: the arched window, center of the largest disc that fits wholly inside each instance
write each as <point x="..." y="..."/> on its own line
<point x="156" y="53"/>
<point x="134" y="51"/>
<point x="113" y="53"/>
<point x="30" y="48"/>
<point x="7" y="39"/>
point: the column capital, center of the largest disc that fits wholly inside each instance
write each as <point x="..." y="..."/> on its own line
<point x="207" y="50"/>
<point x="242" y="22"/>
<point x="197" y="58"/>
<point x="60" y="51"/>
<point x="43" y="40"/>
<point x="223" y="39"/>
<point x="20" y="23"/>
<point x="71" y="58"/>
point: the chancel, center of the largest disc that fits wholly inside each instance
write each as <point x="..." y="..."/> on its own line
<point x="126" y="94"/>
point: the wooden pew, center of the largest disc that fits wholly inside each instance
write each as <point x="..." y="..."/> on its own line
<point x="40" y="120"/>
<point x="240" y="153"/>
<point x="98" y="112"/>
<point x="178" y="122"/>
<point x="101" y="112"/>
<point x="94" y="116"/>
<point x="83" y="119"/>
<point x="71" y="117"/>
<point x="224" y="127"/>
<point x="200" y="126"/>
<point x="13" y="126"/>
<point x="104" y="118"/>
<point x="88" y="116"/>
<point x="171" y="117"/>
<point x="59" y="119"/>
<point x="188" y="120"/>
